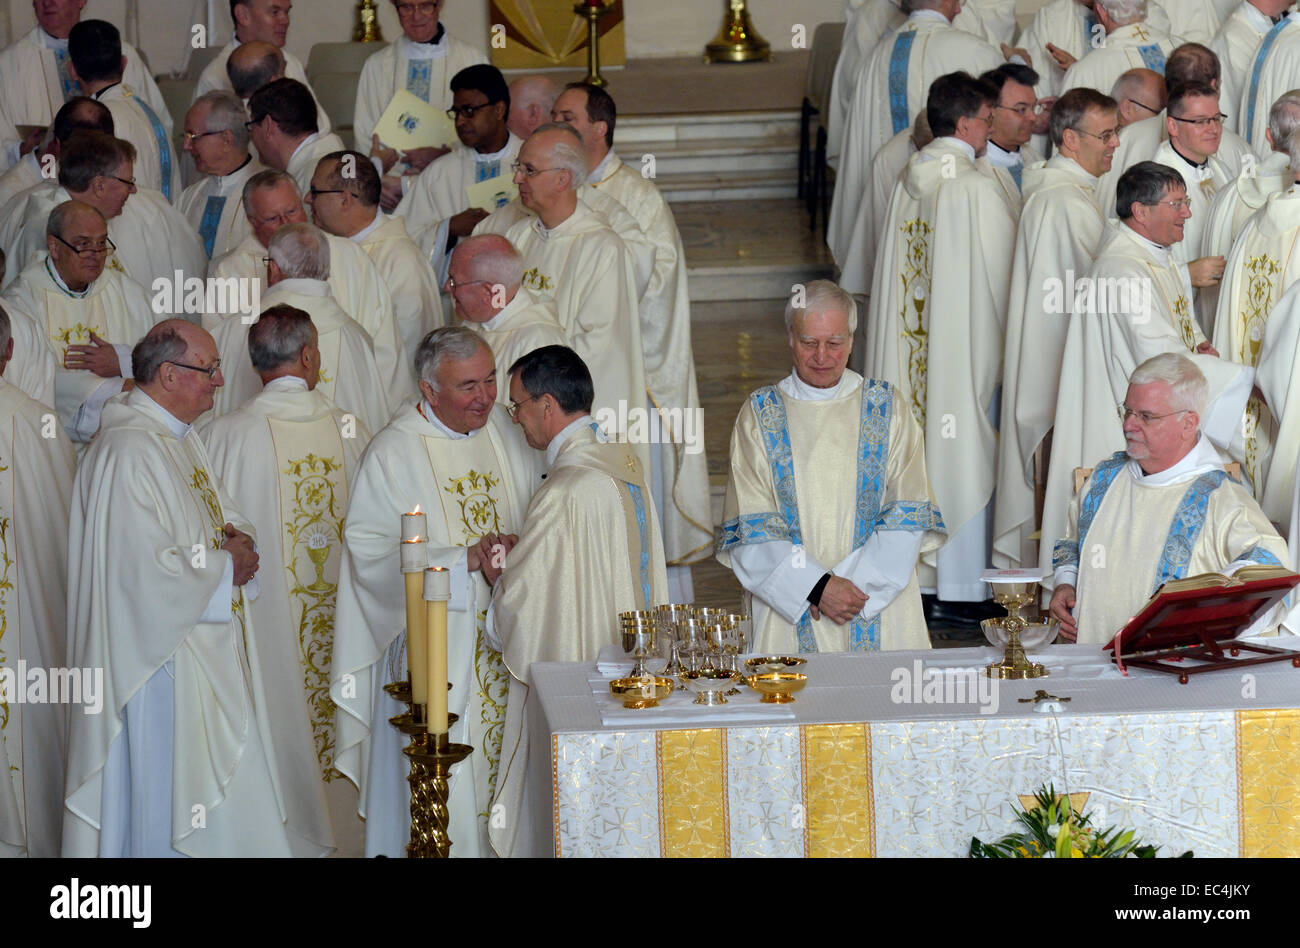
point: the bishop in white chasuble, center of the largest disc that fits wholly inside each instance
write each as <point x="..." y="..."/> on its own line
<point x="469" y="482"/>
<point x="1058" y="235"/>
<point x="37" y="464"/>
<point x="289" y="457"/>
<point x="935" y="333"/>
<point x="177" y="761"/>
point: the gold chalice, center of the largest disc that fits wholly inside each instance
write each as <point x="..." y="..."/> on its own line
<point x="1013" y="596"/>
<point x="318" y="551"/>
<point x="638" y="638"/>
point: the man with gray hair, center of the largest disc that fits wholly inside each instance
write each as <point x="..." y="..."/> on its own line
<point x="831" y="566"/>
<point x="453" y="456"/>
<point x="1134" y="303"/>
<point x="1167" y="490"/>
<point x="485" y="283"/>
<point x="298" y="269"/>
<point x="217" y="139"/>
<point x="574" y="258"/>
<point x="161" y="570"/>
<point x="1130" y="42"/>
<point x="253" y="65"/>
<point x="531" y="100"/>
<point x="37" y="465"/>
<point x="88" y="314"/>
<point x="288" y="456"/>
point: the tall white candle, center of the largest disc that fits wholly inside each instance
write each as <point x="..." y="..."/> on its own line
<point x="437" y="591"/>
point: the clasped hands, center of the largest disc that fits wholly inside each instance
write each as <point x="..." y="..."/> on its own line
<point x="841" y="601"/>
<point x="489" y="555"/>
<point x="240" y="547"/>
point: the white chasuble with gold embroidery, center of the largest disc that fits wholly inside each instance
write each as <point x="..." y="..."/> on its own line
<point x="466" y="487"/>
<point x="288" y="457"/>
<point x="145" y="574"/>
<point x="1134" y="304"/>
<point x="35" y="490"/>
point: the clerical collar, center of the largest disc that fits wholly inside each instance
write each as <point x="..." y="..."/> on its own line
<point x="97" y="95"/>
<point x="801" y="391"/>
<point x="918" y="15"/>
<point x="965" y="146"/>
<point x="63" y="287"/>
<point x="177" y="427"/>
<point x="601" y="171"/>
<point x="497" y="322"/>
<point x="1202" y="167"/>
<point x="286" y="383"/>
<point x="999" y="156"/>
<point x="437" y="37"/>
<point x="1160" y="250"/>
<point x="567" y="432"/>
<point x="52" y="42"/>
<point x="427" y="413"/>
<point x="242" y="165"/>
<point x="370" y="228"/>
<point x="496" y="155"/>
<point x="545" y="232"/>
<point x="1202" y="458"/>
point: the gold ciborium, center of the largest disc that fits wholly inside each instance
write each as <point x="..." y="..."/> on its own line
<point x="737" y="41"/>
<point x="777" y="687"/>
<point x="1013" y="596"/>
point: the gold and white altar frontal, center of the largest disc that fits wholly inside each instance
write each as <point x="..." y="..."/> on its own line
<point x="909" y="778"/>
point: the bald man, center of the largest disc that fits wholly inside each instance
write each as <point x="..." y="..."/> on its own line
<point x="531" y="100"/>
<point x="253" y="65"/>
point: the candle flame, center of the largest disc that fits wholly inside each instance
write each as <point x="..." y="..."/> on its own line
<point x="416" y="510"/>
<point x="414" y="540"/>
<point x="437" y="569"/>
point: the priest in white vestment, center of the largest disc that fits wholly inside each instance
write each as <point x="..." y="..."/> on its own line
<point x="935" y="331"/>
<point x="574" y="259"/>
<point x="95" y="47"/>
<point x="271" y="201"/>
<point x="217" y="139"/>
<point x="1161" y="509"/>
<point x="680" y="472"/>
<point x="1236" y="44"/>
<point x="531" y="99"/>
<point x="80" y="113"/>
<point x="438" y="207"/>
<point x="32" y="364"/>
<point x="297" y="277"/>
<point x="288" y="456"/>
<point x="257" y="21"/>
<point x="1060" y="228"/>
<point x="1235" y="204"/>
<point x="1068" y="25"/>
<point x="422" y="62"/>
<point x="589" y="549"/>
<point x="1274" y="69"/>
<point x="486" y="287"/>
<point x="35" y="79"/>
<point x="454" y="457"/>
<point x="89" y="316"/>
<point x="1014" y="116"/>
<point x="344" y="199"/>
<point x="1133" y="304"/>
<point x="890" y="89"/>
<point x="1130" y="42"/>
<point x="828" y="505"/>
<point x="37" y="465"/>
<point x="285" y="130"/>
<point x="160" y="569"/>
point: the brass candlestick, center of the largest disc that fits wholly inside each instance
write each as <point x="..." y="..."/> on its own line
<point x="1015" y="664"/>
<point x="367" y="24"/>
<point x="737" y="42"/>
<point x="592" y="15"/>
<point x="432" y="756"/>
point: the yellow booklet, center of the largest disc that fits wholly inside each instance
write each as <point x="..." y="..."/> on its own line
<point x="410" y="122"/>
<point x="493" y="193"/>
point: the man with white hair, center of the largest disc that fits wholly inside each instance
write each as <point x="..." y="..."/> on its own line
<point x="37" y="465"/>
<point x="1163" y="508"/>
<point x="574" y="259"/>
<point x="892" y="86"/>
<point x="485" y="282"/>
<point x="1236" y="43"/>
<point x="288" y="457"/>
<point x="217" y="138"/>
<point x="454" y="457"/>
<point x="298" y="270"/>
<point x="270" y="201"/>
<point x="1130" y="42"/>
<point x="1133" y="304"/>
<point x="935" y="327"/>
<point x="1060" y="228"/>
<point x="831" y="565"/>
<point x="531" y="101"/>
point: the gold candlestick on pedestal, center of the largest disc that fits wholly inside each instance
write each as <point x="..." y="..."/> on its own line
<point x="430" y="769"/>
<point x="367" y="24"/>
<point x="737" y="42"/>
<point x="592" y="13"/>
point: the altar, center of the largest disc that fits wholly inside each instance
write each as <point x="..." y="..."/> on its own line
<point x="908" y="754"/>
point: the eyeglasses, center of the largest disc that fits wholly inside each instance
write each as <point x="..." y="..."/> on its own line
<point x="528" y="170"/>
<point x="192" y="137"/>
<point x="129" y="182"/>
<point x="452" y="284"/>
<point x="1110" y="136"/>
<point x="1145" y="418"/>
<point x="210" y="371"/>
<point x="424" y="9"/>
<point x="257" y="121"/>
<point x="1201" y="122"/>
<point x="86" y="251"/>
<point x="1022" y="110"/>
<point x="513" y="408"/>
<point x="469" y="111"/>
<point x="986" y="119"/>
<point x="1184" y="204"/>
<point x="316" y="192"/>
<point x="1144" y="105"/>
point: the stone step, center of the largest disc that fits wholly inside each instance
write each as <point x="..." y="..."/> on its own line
<point x="732" y="185"/>
<point x="759" y="282"/>
<point x="642" y="132"/>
